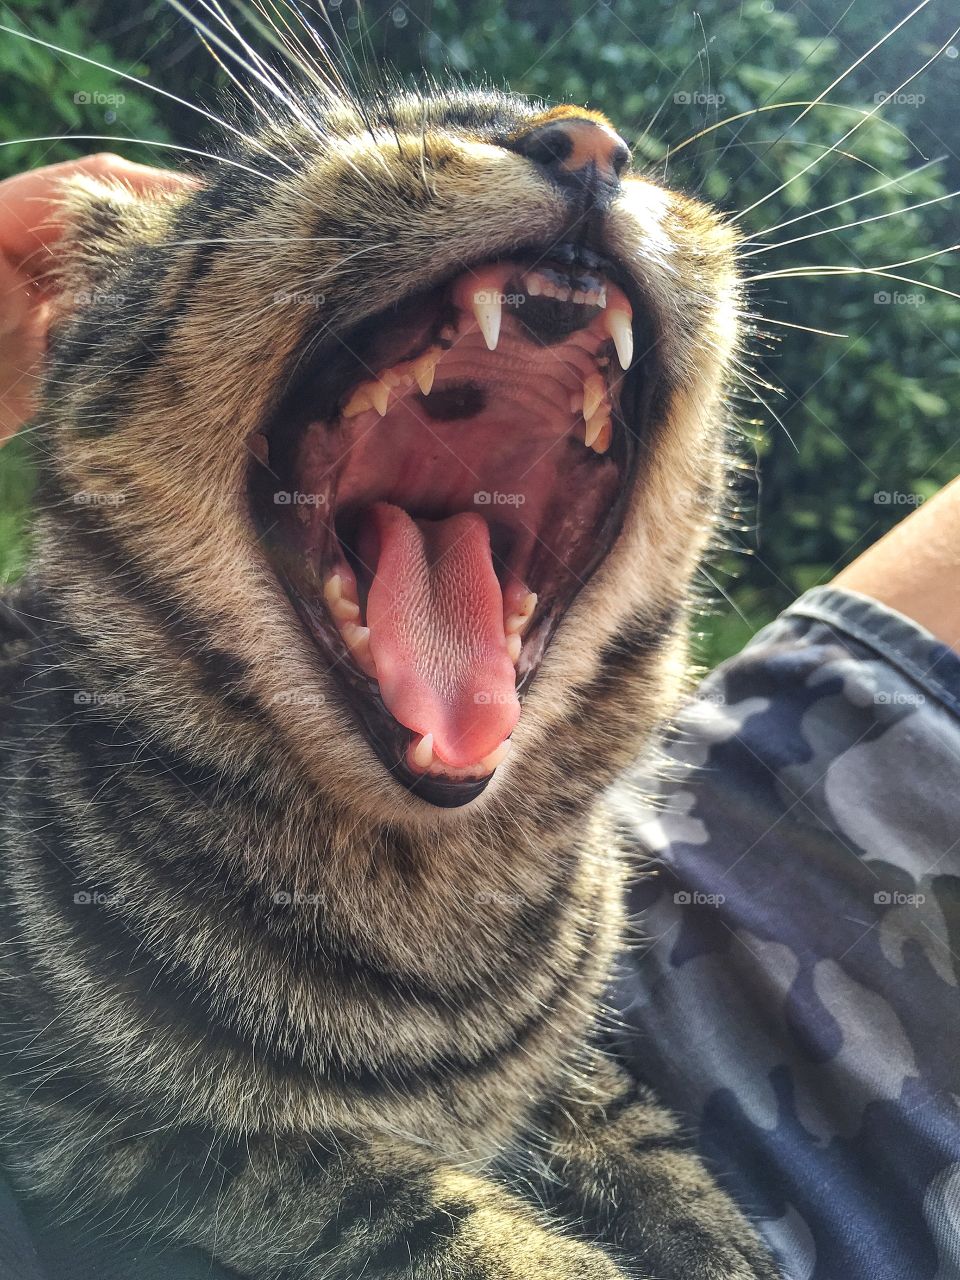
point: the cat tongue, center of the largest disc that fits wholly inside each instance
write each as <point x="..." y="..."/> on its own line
<point x="435" y="614"/>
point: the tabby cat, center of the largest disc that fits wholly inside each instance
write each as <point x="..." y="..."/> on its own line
<point x="374" y="471"/>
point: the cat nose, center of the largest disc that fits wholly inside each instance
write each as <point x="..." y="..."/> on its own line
<point x="577" y="151"/>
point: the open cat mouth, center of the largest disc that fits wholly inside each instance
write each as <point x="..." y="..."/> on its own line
<point x="439" y="484"/>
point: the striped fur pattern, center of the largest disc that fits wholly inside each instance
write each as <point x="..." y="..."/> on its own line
<point x="257" y="997"/>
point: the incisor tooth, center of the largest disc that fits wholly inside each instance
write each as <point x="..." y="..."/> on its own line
<point x="423" y="752"/>
<point x="514" y="645"/>
<point x="488" y="311"/>
<point x="621" y="331"/>
<point x="594" y="390"/>
<point x="497" y="756"/>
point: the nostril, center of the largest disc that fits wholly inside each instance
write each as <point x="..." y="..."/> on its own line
<point x="620" y="158"/>
<point x="548" y="147"/>
<point x="576" y="151"/>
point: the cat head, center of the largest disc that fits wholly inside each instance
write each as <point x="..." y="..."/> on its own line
<point x="392" y="446"/>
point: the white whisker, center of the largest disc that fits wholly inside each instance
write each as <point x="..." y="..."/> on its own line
<point x="208" y="115"/>
<point x="862" y="195"/>
<point x="143" y="142"/>
<point x="847" y="226"/>
<point x="870" y="115"/>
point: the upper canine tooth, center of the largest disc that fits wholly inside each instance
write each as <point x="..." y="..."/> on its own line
<point x="621" y="331"/>
<point x="593" y="394"/>
<point x="488" y="310"/>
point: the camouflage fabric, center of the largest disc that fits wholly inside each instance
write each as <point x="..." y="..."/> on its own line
<point x="794" y="990"/>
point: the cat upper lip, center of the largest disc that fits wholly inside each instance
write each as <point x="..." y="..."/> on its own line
<point x="517" y="379"/>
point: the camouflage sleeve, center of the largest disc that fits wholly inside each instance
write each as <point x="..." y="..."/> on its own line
<point x="794" y="991"/>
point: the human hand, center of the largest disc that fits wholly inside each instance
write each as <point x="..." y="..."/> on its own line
<point x="31" y="226"/>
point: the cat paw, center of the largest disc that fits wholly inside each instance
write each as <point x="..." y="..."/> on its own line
<point x="488" y="1246"/>
<point x="688" y="1249"/>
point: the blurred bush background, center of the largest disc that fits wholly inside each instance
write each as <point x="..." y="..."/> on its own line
<point x="843" y="435"/>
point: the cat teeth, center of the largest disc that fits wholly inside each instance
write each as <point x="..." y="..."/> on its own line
<point x="425" y="369"/>
<point x="619" y="327"/>
<point x="340" y="593"/>
<point x="514" y="646"/>
<point x="380" y="396"/>
<point x="604" y="438"/>
<point x="516" y="623"/>
<point x="496" y="757"/>
<point x="594" y="393"/>
<point x="488" y="313"/>
<point x="594" y="428"/>
<point x="357" y="640"/>
<point x="537" y="285"/>
<point x="373" y="394"/>
<point x="422" y="753"/>
<point x="376" y="393"/>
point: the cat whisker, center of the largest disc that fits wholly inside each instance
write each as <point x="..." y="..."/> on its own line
<point x="783" y="106"/>
<point x="144" y="142"/>
<point x="837" y="204"/>
<point x="787" y="324"/>
<point x="812" y="272"/>
<point x="847" y="226"/>
<point x="144" y="84"/>
<point x="869" y="116"/>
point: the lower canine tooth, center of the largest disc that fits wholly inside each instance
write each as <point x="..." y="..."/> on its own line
<point x="488" y="311"/>
<point x="621" y="331"/>
<point x="514" y="645"/>
<point x="496" y="757"/>
<point x="423" y="752"/>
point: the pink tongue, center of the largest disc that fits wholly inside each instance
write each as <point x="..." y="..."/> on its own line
<point x="435" y="613"/>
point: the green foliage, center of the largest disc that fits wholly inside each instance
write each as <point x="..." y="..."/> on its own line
<point x="828" y="425"/>
<point x="47" y="94"/>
